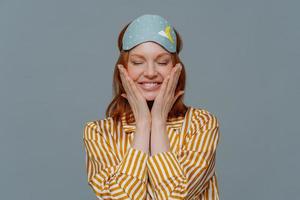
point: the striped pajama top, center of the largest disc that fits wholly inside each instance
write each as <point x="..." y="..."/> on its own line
<point x="115" y="170"/>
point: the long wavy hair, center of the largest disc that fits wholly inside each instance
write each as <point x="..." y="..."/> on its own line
<point x="120" y="105"/>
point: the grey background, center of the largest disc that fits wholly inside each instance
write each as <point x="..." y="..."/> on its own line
<point x="56" y="64"/>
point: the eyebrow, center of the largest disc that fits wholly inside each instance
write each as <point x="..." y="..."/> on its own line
<point x="159" y="55"/>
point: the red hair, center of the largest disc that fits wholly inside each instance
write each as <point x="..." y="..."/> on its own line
<point x="120" y="105"/>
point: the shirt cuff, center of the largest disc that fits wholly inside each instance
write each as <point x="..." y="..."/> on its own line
<point x="164" y="166"/>
<point x="134" y="164"/>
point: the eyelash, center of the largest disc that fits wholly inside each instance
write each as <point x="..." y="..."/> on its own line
<point x="135" y="63"/>
<point x="163" y="63"/>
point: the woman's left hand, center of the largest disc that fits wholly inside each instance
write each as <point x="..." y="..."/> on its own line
<point x="165" y="99"/>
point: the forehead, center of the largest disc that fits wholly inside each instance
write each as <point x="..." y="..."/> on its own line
<point x="148" y="49"/>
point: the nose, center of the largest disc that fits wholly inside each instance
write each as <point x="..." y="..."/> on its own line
<point x="150" y="71"/>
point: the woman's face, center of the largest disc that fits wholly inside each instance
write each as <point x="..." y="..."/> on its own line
<point x="148" y="66"/>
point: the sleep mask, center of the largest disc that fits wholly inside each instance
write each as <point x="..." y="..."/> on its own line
<point x="150" y="27"/>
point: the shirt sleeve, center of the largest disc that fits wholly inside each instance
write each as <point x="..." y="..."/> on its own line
<point x="211" y="191"/>
<point x="186" y="174"/>
<point x="109" y="176"/>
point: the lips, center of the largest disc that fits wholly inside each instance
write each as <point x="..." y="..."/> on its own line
<point x="150" y="85"/>
<point x="149" y="82"/>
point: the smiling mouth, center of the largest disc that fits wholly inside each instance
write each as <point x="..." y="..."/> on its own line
<point x="150" y="86"/>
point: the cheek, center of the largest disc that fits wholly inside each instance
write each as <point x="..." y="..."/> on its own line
<point x="166" y="72"/>
<point x="133" y="74"/>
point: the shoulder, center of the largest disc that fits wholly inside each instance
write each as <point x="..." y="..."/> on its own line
<point x="201" y="117"/>
<point x="98" y="127"/>
<point x="205" y="127"/>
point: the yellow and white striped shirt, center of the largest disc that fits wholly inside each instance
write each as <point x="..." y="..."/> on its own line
<point x="115" y="170"/>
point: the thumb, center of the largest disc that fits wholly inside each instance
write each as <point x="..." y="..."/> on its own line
<point x="181" y="92"/>
<point x="124" y="95"/>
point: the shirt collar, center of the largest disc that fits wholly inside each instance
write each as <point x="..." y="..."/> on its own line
<point x="174" y="124"/>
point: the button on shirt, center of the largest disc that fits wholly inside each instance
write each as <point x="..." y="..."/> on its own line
<point x="116" y="170"/>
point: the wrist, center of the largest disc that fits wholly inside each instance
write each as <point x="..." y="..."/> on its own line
<point x="143" y="122"/>
<point x="158" y="126"/>
<point x="158" y="122"/>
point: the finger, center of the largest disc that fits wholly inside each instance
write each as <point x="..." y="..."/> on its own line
<point x="126" y="83"/>
<point x="173" y="80"/>
<point x="123" y="79"/>
<point x="170" y="80"/>
<point x="164" y="85"/>
<point x="130" y="85"/>
<point x="178" y="95"/>
<point x="176" y="77"/>
<point x="131" y="92"/>
<point x="124" y="95"/>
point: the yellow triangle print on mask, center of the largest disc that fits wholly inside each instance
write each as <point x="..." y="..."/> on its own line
<point x="168" y="33"/>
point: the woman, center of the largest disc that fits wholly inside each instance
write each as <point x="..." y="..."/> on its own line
<point x="150" y="145"/>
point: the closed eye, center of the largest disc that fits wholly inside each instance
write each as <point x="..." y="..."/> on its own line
<point x="135" y="63"/>
<point x="163" y="63"/>
<point x="138" y="63"/>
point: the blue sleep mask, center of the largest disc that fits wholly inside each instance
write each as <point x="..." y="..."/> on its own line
<point x="150" y="27"/>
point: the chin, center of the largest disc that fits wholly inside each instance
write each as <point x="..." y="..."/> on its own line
<point x="150" y="96"/>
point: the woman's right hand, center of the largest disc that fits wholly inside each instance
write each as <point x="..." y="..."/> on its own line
<point x="135" y="98"/>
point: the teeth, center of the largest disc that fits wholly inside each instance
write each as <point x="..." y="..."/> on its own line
<point x="149" y="85"/>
